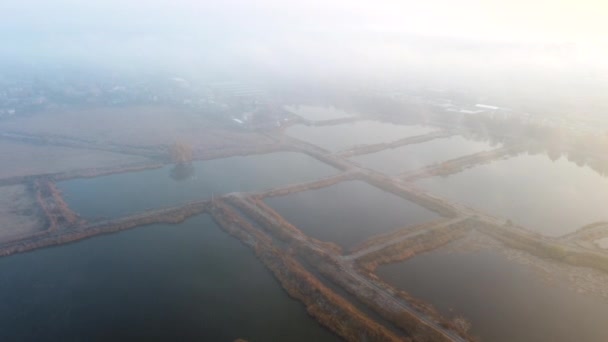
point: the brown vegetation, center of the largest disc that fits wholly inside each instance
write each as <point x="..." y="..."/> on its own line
<point x="20" y="215"/>
<point x="434" y="204"/>
<point x="105" y="171"/>
<point x="590" y="232"/>
<point x="55" y="209"/>
<point x="462" y="163"/>
<point x="411" y="247"/>
<point x="330" y="309"/>
<point x="20" y="160"/>
<point x="365" y="149"/>
<point x="322" y="303"/>
<point x="61" y="236"/>
<point x="385" y="300"/>
<point x="276" y="225"/>
<point x="391" y="236"/>
<point x="546" y="248"/>
<point x="324" y="260"/>
<point x="286" y="190"/>
<point x="462" y="324"/>
<point x="135" y="126"/>
<point x="315" y="152"/>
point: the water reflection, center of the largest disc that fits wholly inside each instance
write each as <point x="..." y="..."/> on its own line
<point x="126" y="193"/>
<point x="349" y="212"/>
<point x="182" y="171"/>
<point x="504" y="300"/>
<point x="189" y="282"/>
<point x="319" y="113"/>
<point x="416" y="156"/>
<point x="550" y="197"/>
<point x="339" y="137"/>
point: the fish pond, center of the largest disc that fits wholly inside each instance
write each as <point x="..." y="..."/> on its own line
<point x="189" y="282"/>
<point x="349" y="212"/>
<point x="127" y="193"/>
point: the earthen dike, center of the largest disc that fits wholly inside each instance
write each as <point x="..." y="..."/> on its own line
<point x="308" y="269"/>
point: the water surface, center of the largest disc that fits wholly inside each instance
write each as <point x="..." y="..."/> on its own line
<point x="504" y="301"/>
<point x="416" y="156"/>
<point x="349" y="212"/>
<point x="187" y="282"/>
<point x="342" y="136"/>
<point x="319" y="113"/>
<point x="121" y="194"/>
<point x="551" y="197"/>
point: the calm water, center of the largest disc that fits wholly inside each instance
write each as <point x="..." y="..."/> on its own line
<point x="340" y="137"/>
<point x="126" y="193"/>
<point x="319" y="113"/>
<point x="416" y="156"/>
<point x="187" y="282"/>
<point x="349" y="212"/>
<point x="550" y="197"/>
<point x="504" y="301"/>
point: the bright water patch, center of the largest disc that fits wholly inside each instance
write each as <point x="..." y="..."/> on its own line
<point x="349" y="212"/>
<point x="186" y="282"/>
<point x="550" y="197"/>
<point x="416" y="156"/>
<point x="504" y="301"/>
<point x="122" y="194"/>
<point x="319" y="113"/>
<point x="342" y="136"/>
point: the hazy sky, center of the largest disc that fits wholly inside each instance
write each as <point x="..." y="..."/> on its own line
<point x="514" y="20"/>
<point x="324" y="33"/>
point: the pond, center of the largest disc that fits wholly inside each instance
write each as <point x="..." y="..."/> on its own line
<point x="189" y="282"/>
<point x="319" y="113"/>
<point x="127" y="193"/>
<point x="505" y="301"/>
<point x="551" y="197"/>
<point x="349" y="212"/>
<point x="415" y="156"/>
<point x="339" y="137"/>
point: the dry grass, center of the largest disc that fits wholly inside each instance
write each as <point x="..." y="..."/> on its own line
<point x="18" y="213"/>
<point x="137" y="125"/>
<point x="22" y="159"/>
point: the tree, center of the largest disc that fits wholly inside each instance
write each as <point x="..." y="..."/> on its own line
<point x="181" y="153"/>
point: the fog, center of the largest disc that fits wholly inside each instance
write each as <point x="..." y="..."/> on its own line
<point x="527" y="48"/>
<point x="363" y="36"/>
<point x="285" y="165"/>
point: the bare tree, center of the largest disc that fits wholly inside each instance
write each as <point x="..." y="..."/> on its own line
<point x="181" y="153"/>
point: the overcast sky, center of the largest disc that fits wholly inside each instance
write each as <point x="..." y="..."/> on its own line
<point x="338" y="33"/>
<point x="582" y="21"/>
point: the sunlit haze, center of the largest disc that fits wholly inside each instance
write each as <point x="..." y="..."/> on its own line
<point x="320" y="170"/>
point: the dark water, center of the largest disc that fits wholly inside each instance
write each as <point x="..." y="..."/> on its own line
<point x="342" y="136"/>
<point x="550" y="197"/>
<point x="187" y="282"/>
<point x="504" y="301"/>
<point x="349" y="212"/>
<point x="121" y="194"/>
<point x="416" y="156"/>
